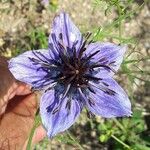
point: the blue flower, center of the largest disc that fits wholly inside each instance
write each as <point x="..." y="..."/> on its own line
<point x="73" y="73"/>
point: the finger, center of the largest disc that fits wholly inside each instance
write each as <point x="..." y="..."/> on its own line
<point x="39" y="135"/>
<point x="15" y="89"/>
<point x="16" y="124"/>
<point x="23" y="88"/>
<point x="9" y="87"/>
<point x="4" y="100"/>
<point x="6" y="80"/>
<point x="7" y="84"/>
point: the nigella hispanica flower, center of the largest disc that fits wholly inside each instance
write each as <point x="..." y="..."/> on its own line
<point x="74" y="72"/>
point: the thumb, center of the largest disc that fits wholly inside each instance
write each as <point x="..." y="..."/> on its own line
<point x="23" y="89"/>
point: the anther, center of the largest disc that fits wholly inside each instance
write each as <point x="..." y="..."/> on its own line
<point x="77" y="72"/>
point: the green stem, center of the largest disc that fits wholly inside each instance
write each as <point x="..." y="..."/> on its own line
<point x="134" y="72"/>
<point x="73" y="138"/>
<point x="136" y="60"/>
<point x="119" y="125"/>
<point x="118" y="140"/>
<point x="120" y="21"/>
<point x="36" y="124"/>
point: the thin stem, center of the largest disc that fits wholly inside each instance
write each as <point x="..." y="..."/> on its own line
<point x="73" y="138"/>
<point x="36" y="124"/>
<point x="118" y="140"/>
<point x="119" y="125"/>
<point x="120" y="21"/>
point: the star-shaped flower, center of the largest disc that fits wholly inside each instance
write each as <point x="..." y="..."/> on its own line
<point x="73" y="73"/>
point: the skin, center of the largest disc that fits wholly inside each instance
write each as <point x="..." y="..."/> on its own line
<point x="17" y="111"/>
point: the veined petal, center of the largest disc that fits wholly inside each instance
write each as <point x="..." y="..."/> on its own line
<point x="58" y="114"/>
<point x="65" y="36"/>
<point x="25" y="70"/>
<point x="108" y="99"/>
<point x="110" y="55"/>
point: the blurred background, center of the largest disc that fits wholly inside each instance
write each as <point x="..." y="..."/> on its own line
<point x="26" y="24"/>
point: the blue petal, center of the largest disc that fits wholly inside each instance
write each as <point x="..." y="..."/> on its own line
<point x="65" y="36"/>
<point x="109" y="54"/>
<point x="55" y="112"/>
<point x="23" y="69"/>
<point x="108" y="99"/>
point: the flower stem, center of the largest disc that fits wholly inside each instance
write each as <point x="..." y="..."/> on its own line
<point x="120" y="21"/>
<point x="74" y="140"/>
<point x="118" y="140"/>
<point x="119" y="124"/>
<point x="36" y="124"/>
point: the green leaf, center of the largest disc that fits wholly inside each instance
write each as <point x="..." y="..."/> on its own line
<point x="142" y="147"/>
<point x="103" y="138"/>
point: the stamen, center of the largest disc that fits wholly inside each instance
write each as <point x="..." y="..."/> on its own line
<point x="91" y="90"/>
<point x="90" y="77"/>
<point x="61" y="78"/>
<point x="112" y="63"/>
<point x="49" y="87"/>
<point x="66" y="91"/>
<point x="70" y="79"/>
<point x="91" y="41"/>
<point x="66" y="72"/>
<point x="109" y="92"/>
<point x="65" y="60"/>
<point x="101" y="65"/>
<point x="83" y="48"/>
<point x="91" y="102"/>
<point x="105" y="84"/>
<point x="51" y="47"/>
<point x="68" y="105"/>
<point x="87" y="35"/>
<point x="104" y="89"/>
<point x="43" y="64"/>
<point x="43" y="56"/>
<point x="38" y="56"/>
<point x="56" y="110"/>
<point x="74" y="53"/>
<point x="76" y="72"/>
<point x="62" y="47"/>
<point x="93" y="54"/>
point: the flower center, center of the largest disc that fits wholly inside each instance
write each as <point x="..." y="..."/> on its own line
<point x="77" y="72"/>
<point x="72" y="68"/>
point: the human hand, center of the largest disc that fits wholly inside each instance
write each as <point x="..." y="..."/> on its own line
<point x="17" y="111"/>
